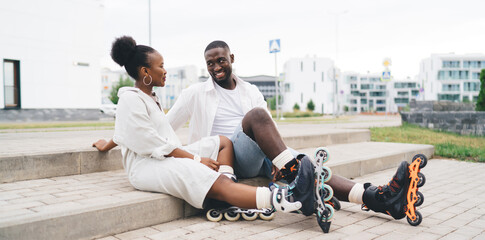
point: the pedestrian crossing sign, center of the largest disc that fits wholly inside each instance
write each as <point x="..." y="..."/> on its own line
<point x="386" y="76"/>
<point x="274" y="46"/>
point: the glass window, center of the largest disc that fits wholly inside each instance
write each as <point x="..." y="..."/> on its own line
<point x="354" y="109"/>
<point x="380" y="101"/>
<point x="363" y="101"/>
<point x="355" y="93"/>
<point x="401" y="100"/>
<point x="366" y="86"/>
<point x="449" y="97"/>
<point x="353" y="86"/>
<point x="475" y="98"/>
<point x="363" y="94"/>
<point x="476" y="75"/>
<point x="466" y="99"/>
<point x="377" y="94"/>
<point x="414" y="92"/>
<point x="451" y="64"/>
<point x="353" y="101"/>
<point x="471" y="86"/>
<point x="11" y="83"/>
<point x="451" y="87"/>
<point x="381" y="87"/>
<point x="403" y="93"/>
<point x="381" y="109"/>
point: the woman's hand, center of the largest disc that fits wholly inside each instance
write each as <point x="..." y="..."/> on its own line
<point x="214" y="165"/>
<point x="104" y="146"/>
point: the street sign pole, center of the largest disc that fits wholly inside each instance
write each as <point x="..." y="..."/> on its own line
<point x="274" y="47"/>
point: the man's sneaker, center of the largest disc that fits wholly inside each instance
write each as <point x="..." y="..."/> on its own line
<point x="390" y="198"/>
<point x="290" y="170"/>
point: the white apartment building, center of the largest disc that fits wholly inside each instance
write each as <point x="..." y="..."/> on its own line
<point x="369" y="94"/>
<point x="177" y="79"/>
<point x="50" y="53"/>
<point x="451" y="77"/>
<point x="311" y="78"/>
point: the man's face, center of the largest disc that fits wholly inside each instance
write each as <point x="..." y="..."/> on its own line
<point x="219" y="64"/>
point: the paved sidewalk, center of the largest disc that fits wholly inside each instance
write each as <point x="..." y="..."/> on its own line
<point x="454" y="208"/>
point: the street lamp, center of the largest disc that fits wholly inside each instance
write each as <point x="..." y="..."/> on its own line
<point x="337" y="14"/>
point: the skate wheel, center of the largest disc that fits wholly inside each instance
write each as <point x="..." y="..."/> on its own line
<point x="326" y="193"/>
<point x="330" y="210"/>
<point x="326" y="174"/>
<point x="230" y="216"/>
<point x="416" y="221"/>
<point x="249" y="216"/>
<point x="424" y="160"/>
<point x="322" y="153"/>
<point x="422" y="180"/>
<point x="420" y="200"/>
<point x="267" y="216"/>
<point x="213" y="215"/>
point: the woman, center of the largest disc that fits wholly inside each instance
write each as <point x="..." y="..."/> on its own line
<point x="154" y="158"/>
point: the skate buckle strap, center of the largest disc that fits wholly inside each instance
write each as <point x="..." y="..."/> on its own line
<point x="280" y="202"/>
<point x="411" y="194"/>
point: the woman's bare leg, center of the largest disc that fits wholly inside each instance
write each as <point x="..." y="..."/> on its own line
<point x="226" y="152"/>
<point x="236" y="194"/>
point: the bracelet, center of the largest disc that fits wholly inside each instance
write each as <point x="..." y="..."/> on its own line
<point x="197" y="158"/>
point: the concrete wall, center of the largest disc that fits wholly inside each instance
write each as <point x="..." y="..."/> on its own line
<point x="461" y="122"/>
<point x="41" y="115"/>
<point x="435" y="106"/>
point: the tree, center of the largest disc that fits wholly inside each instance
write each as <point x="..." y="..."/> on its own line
<point x="481" y="96"/>
<point x="126" y="82"/>
<point x="296" y="107"/>
<point x="272" y="102"/>
<point x="310" y="106"/>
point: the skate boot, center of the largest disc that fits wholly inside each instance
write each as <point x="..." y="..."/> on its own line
<point x="400" y="197"/>
<point x="300" y="190"/>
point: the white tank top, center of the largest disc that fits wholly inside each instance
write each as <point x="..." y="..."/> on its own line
<point x="229" y="112"/>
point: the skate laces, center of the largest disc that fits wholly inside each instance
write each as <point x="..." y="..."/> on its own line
<point x="290" y="170"/>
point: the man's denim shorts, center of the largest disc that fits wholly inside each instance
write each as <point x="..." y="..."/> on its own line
<point x="250" y="160"/>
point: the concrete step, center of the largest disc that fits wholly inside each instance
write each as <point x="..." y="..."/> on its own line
<point x="102" y="204"/>
<point x="52" y="155"/>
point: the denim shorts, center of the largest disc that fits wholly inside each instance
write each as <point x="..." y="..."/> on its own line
<point x="250" y="160"/>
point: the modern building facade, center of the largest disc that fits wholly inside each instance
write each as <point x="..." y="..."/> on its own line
<point x="266" y="85"/>
<point x="50" y="53"/>
<point x="177" y="79"/>
<point x="451" y="77"/>
<point x="312" y="78"/>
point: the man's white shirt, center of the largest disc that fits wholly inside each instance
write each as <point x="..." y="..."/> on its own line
<point x="229" y="112"/>
<point x="200" y="103"/>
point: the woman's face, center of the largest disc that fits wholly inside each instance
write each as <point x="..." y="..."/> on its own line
<point x="156" y="69"/>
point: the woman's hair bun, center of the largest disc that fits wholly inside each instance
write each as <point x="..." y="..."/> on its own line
<point x="123" y="49"/>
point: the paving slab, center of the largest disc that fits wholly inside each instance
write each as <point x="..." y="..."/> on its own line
<point x="443" y="217"/>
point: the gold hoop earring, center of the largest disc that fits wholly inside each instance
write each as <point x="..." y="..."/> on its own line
<point x="149" y="82"/>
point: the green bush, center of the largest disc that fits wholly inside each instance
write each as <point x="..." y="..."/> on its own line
<point x="296" y="107"/>
<point x="310" y="106"/>
<point x="126" y="82"/>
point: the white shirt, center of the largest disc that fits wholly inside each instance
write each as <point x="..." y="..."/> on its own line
<point x="229" y="113"/>
<point x="200" y="101"/>
<point x="141" y="128"/>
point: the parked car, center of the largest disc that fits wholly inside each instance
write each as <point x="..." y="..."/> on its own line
<point x="108" y="107"/>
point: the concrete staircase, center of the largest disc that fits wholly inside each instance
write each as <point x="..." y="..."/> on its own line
<point x="78" y="193"/>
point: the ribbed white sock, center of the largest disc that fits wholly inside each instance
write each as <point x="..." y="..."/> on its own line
<point x="283" y="158"/>
<point x="226" y="169"/>
<point x="356" y="193"/>
<point x="263" y="198"/>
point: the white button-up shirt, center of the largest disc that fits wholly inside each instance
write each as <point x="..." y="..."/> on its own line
<point x="199" y="104"/>
<point x="141" y="128"/>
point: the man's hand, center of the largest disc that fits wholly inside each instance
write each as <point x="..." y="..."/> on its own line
<point x="214" y="165"/>
<point x="276" y="173"/>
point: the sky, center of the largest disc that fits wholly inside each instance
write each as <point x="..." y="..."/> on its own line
<point x="357" y="34"/>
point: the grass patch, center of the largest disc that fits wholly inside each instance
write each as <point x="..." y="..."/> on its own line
<point x="450" y="145"/>
<point x="55" y="125"/>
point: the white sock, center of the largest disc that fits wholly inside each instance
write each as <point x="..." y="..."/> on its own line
<point x="226" y="169"/>
<point x="356" y="193"/>
<point x="282" y="159"/>
<point x="263" y="198"/>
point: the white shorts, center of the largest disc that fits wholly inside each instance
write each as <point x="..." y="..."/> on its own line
<point x="180" y="177"/>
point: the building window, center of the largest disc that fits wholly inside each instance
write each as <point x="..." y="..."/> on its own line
<point x="476" y="75"/>
<point x="353" y="86"/>
<point x="403" y="94"/>
<point x="355" y="93"/>
<point x="11" y="83"/>
<point x="451" y="87"/>
<point x="452" y="75"/>
<point x="377" y="94"/>
<point x="381" y="109"/>
<point x="475" y="98"/>
<point x="415" y="92"/>
<point x="449" y="97"/>
<point x="451" y="64"/>
<point x="466" y="99"/>
<point x="363" y="101"/>
<point x="404" y="85"/>
<point x="473" y="64"/>
<point x="381" y="87"/>
<point x="380" y="101"/>
<point x="471" y="86"/>
<point x="401" y="100"/>
<point x="366" y="86"/>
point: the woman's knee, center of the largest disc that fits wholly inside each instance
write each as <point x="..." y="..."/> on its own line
<point x="220" y="188"/>
<point x="224" y="142"/>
